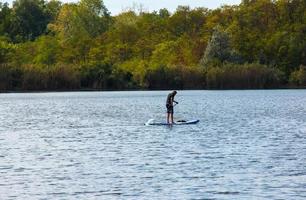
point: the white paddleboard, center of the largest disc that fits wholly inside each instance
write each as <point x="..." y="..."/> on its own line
<point x="152" y="122"/>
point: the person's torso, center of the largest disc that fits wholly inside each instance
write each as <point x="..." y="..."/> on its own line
<point x="169" y="99"/>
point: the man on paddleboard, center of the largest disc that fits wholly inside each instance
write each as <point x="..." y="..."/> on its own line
<point x="169" y="106"/>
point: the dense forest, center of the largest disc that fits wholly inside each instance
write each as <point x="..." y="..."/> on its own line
<point x="49" y="45"/>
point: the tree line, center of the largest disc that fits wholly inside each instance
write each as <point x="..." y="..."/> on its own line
<point x="50" y="45"/>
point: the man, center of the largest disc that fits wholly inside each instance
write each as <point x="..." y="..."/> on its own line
<point x="169" y="105"/>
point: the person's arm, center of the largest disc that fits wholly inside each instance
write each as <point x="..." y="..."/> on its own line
<point x="171" y="100"/>
<point x="174" y="101"/>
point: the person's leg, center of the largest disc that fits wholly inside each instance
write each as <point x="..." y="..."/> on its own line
<point x="171" y="114"/>
<point x="168" y="117"/>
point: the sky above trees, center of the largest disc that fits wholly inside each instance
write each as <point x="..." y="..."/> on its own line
<point x="116" y="6"/>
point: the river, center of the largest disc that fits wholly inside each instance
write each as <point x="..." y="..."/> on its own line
<point x="94" y="145"/>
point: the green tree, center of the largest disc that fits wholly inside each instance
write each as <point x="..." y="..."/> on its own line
<point x="121" y="38"/>
<point x="5" y="19"/>
<point x="218" y="49"/>
<point x="257" y="44"/>
<point x="47" y="49"/>
<point x="52" y="9"/>
<point x="89" y="18"/>
<point x="29" y="20"/>
<point x="5" y="49"/>
<point x="187" y="21"/>
<point x="77" y="25"/>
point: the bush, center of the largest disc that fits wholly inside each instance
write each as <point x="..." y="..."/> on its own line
<point x="247" y="76"/>
<point x="121" y="80"/>
<point x="176" y="77"/>
<point x="298" y="77"/>
<point x="96" y="75"/>
<point x="163" y="77"/>
<point x="34" y="78"/>
<point x="63" y="77"/>
<point x="10" y="77"/>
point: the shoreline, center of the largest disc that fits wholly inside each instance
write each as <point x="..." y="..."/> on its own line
<point x="135" y="90"/>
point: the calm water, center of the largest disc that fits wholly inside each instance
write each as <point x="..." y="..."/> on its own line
<point x="93" y="145"/>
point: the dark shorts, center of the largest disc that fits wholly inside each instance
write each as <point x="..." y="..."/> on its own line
<point x="169" y="109"/>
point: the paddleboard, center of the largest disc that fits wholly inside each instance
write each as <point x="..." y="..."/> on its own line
<point x="152" y="122"/>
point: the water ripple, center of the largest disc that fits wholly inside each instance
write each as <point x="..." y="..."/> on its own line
<point x="248" y="144"/>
